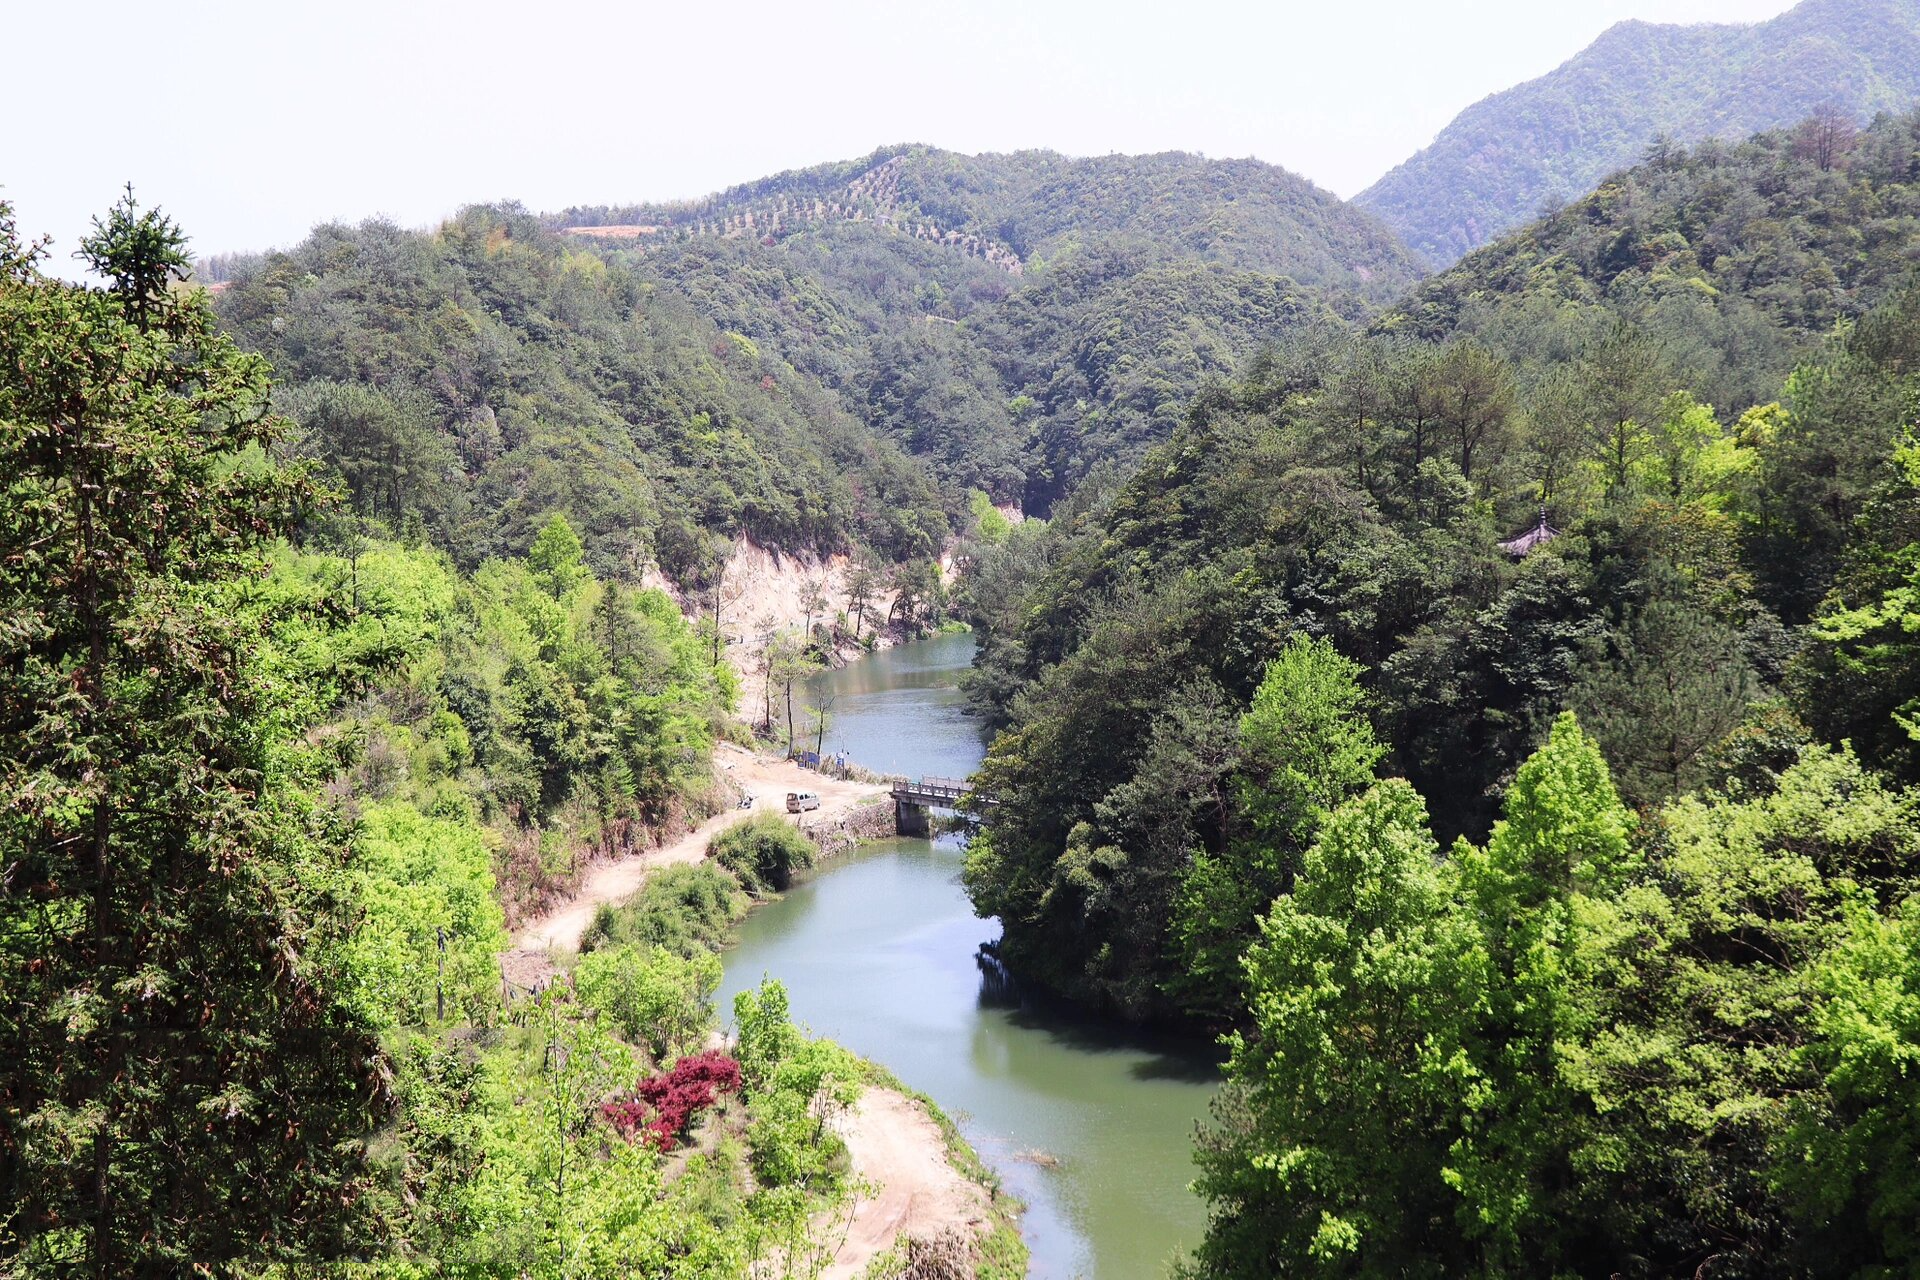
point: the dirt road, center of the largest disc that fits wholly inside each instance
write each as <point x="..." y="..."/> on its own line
<point x="766" y="778"/>
<point x="895" y="1145"/>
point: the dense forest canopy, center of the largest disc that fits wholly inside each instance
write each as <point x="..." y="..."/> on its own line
<point x="1240" y="213"/>
<point x="1554" y="892"/>
<point x="1505" y="159"/>
<point x="823" y="360"/>
<point x="1490" y="705"/>
<point x="277" y="787"/>
<point x="1016" y="319"/>
<point x="476" y="379"/>
<point x="1733" y="257"/>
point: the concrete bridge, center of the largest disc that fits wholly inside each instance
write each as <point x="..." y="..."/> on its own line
<point x="914" y="800"/>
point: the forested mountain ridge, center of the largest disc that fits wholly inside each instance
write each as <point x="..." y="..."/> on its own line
<point x="1557" y="892"/>
<point x="965" y="305"/>
<point x="1733" y="257"/>
<point x="1029" y="204"/>
<point x="823" y="360"/>
<point x="1506" y="158"/>
<point x="1695" y="375"/>
<point x="475" y="380"/>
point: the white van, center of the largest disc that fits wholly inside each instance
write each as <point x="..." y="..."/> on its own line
<point x="801" y="801"/>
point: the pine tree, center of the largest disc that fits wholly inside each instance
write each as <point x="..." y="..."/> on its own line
<point x="179" y="1091"/>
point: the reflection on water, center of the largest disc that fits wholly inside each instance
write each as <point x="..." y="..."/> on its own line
<point x="898" y="711"/>
<point x="881" y="952"/>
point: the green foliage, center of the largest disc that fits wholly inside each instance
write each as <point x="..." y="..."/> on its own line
<point x="989" y="525"/>
<point x="1563" y="841"/>
<point x="1732" y="259"/>
<point x="763" y="851"/>
<point x="685" y="910"/>
<point x="1330" y="1141"/>
<point x="889" y="279"/>
<point x="480" y="378"/>
<point x="1852" y="1179"/>
<point x="260" y="793"/>
<point x="794" y="1087"/>
<point x="1303" y="750"/>
<point x="185" y="1087"/>
<point x="1322" y="497"/>
<point x="1860" y="678"/>
<point x="657" y="998"/>
<point x="1826" y="457"/>
<point x="560" y="711"/>
<point x="1634" y="91"/>
<point x="1667" y="689"/>
<point x="430" y="919"/>
<point x="1585" y="1047"/>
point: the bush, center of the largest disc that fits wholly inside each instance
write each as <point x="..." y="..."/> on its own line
<point x="657" y="999"/>
<point x="418" y="880"/>
<point x="667" y="1102"/>
<point x="763" y="851"/>
<point x="686" y="910"/>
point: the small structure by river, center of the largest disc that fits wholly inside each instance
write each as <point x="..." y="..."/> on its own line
<point x="881" y="951"/>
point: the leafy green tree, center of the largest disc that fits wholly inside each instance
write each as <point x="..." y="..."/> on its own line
<point x="1859" y="679"/>
<point x="787" y="662"/>
<point x="184" y="1090"/>
<point x="1303" y="750"/>
<point x="1827" y="458"/>
<point x="1849" y="1166"/>
<point x="919" y="595"/>
<point x="765" y="1037"/>
<point x="555" y="558"/>
<point x="863" y="584"/>
<point x="1699" y="987"/>
<point x="386" y="448"/>
<point x="1341" y="1104"/>
<point x="658" y="999"/>
<point x="1562" y="843"/>
<point x="1476" y="403"/>
<point x="431" y="928"/>
<point x="1624" y="384"/>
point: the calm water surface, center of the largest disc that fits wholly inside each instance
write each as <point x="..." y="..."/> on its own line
<point x="877" y="951"/>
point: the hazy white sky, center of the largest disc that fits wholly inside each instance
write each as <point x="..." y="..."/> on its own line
<point x="251" y="121"/>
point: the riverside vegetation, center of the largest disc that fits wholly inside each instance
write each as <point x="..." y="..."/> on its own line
<point x="271" y="802"/>
<point x="1557" y="898"/>
<point x="1554" y="896"/>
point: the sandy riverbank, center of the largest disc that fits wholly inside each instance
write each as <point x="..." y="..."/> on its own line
<point x="766" y="778"/>
<point x="895" y="1145"/>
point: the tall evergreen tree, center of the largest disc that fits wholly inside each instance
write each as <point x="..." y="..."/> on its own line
<point x="179" y="1093"/>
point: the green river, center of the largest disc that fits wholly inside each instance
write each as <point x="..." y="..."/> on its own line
<point x="878" y="951"/>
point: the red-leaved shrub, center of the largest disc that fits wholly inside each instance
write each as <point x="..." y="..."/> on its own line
<point x="667" y="1103"/>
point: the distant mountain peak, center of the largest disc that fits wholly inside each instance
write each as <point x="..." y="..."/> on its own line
<point x="1509" y="155"/>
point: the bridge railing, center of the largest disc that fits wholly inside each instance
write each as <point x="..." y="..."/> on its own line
<point x="931" y="788"/>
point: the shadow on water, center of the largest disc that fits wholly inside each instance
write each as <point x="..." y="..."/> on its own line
<point x="1161" y="1055"/>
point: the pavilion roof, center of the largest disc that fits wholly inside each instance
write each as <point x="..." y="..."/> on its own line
<point x="1539" y="535"/>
